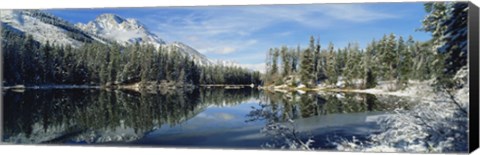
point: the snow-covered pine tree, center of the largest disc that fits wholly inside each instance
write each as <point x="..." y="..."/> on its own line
<point x="447" y="21"/>
<point x="331" y="65"/>
<point x="455" y="37"/>
<point x="368" y="62"/>
<point x="307" y="75"/>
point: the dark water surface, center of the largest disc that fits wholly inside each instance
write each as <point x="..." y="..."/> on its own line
<point x="213" y="118"/>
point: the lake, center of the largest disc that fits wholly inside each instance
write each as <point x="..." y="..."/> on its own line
<point x="200" y="118"/>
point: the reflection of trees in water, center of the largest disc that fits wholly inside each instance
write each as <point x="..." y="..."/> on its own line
<point x="280" y="110"/>
<point x="224" y="97"/>
<point x="295" y="105"/>
<point x="43" y="115"/>
<point x="277" y="110"/>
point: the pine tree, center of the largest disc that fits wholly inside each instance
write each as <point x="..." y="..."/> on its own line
<point x="447" y="21"/>
<point x="295" y="59"/>
<point x="319" y="73"/>
<point x="331" y="65"/>
<point x="286" y="61"/>
<point x="307" y="75"/>
<point x="275" y="55"/>
<point x="389" y="58"/>
<point x="268" y="67"/>
<point x="113" y="64"/>
<point x="404" y="61"/>
<point x="369" y="61"/>
<point x="147" y="63"/>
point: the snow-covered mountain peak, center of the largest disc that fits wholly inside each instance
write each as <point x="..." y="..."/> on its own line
<point x="114" y="21"/>
<point x="104" y="28"/>
<point x="110" y="17"/>
<point x="121" y="30"/>
<point x="129" y="31"/>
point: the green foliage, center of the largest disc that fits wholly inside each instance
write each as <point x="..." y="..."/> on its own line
<point x="332" y="65"/>
<point x="286" y="61"/>
<point x="307" y="75"/>
<point x="389" y="59"/>
<point x="30" y="63"/>
<point x="447" y="22"/>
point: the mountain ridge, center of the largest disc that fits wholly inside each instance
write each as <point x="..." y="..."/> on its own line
<point x="105" y="28"/>
<point x="128" y="31"/>
<point x="46" y="27"/>
<point x="119" y="29"/>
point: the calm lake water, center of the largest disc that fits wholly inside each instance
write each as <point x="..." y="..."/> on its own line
<point x="212" y="118"/>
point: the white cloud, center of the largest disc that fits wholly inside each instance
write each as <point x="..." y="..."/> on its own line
<point x="221" y="46"/>
<point x="355" y="13"/>
<point x="229" y="29"/>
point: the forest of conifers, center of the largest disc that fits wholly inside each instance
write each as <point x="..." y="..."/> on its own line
<point x="391" y="58"/>
<point x="29" y="63"/>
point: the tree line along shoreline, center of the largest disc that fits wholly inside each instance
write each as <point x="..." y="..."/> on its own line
<point x="392" y="58"/>
<point x="28" y="63"/>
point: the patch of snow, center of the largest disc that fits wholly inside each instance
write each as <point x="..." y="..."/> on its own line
<point x="340" y="95"/>
<point x="301" y="92"/>
<point x="417" y="89"/>
<point x="301" y="86"/>
<point x="40" y="31"/>
<point x="438" y="124"/>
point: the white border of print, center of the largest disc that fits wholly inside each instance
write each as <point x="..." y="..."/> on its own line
<point x="74" y="150"/>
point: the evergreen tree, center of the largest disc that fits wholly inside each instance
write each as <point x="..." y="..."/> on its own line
<point x="447" y="21"/>
<point x="331" y="65"/>
<point x="368" y="66"/>
<point x="307" y="75"/>
<point x="390" y="59"/>
<point x="275" y="55"/>
<point x="404" y="62"/>
<point x="286" y="61"/>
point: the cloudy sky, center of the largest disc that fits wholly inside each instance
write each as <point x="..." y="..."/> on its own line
<point x="244" y="34"/>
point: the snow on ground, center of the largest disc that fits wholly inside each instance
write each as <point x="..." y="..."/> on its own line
<point x="417" y="89"/>
<point x="436" y="124"/>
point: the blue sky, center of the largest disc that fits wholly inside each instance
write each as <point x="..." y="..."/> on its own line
<point x="245" y="33"/>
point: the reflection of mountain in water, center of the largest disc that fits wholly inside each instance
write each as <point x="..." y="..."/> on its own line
<point x="96" y="116"/>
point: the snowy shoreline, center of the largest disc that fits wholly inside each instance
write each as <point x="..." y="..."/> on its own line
<point x="415" y="89"/>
